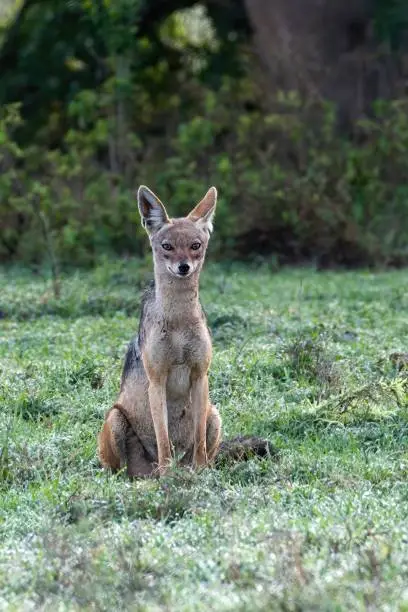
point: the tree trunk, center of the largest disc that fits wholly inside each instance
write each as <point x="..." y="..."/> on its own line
<point x="323" y="48"/>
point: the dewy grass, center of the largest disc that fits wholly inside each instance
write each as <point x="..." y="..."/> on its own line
<point x="302" y="358"/>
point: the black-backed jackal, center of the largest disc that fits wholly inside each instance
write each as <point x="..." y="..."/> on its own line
<point x="163" y="405"/>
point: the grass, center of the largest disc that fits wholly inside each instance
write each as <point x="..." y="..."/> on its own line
<point x="303" y="358"/>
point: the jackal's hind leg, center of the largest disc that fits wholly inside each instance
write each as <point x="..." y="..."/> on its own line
<point x="112" y="440"/>
<point x="213" y="432"/>
<point x="119" y="446"/>
<point x="213" y="437"/>
<point x="139" y="465"/>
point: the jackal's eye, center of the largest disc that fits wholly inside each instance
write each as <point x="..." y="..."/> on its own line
<point x="195" y="246"/>
<point x="167" y="246"/>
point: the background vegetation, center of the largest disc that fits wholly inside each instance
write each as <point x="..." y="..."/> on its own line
<point x="309" y="157"/>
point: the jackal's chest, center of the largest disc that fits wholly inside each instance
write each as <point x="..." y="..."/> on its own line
<point x="189" y="346"/>
<point x="178" y="353"/>
<point x="178" y="384"/>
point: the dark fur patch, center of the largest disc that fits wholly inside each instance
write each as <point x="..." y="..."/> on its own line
<point x="147" y="298"/>
<point x="133" y="358"/>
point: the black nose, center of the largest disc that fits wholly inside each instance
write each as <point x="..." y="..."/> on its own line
<point x="183" y="269"/>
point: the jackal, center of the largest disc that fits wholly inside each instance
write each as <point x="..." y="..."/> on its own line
<point x="163" y="405"/>
<point x="163" y="400"/>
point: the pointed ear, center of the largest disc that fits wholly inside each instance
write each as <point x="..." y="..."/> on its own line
<point x="203" y="213"/>
<point x="152" y="211"/>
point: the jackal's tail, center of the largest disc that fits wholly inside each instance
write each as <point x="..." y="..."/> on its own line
<point x="243" y="448"/>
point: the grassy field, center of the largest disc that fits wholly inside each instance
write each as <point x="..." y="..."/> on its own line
<point x="306" y="359"/>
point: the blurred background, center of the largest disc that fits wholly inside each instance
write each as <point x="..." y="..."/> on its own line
<point x="295" y="109"/>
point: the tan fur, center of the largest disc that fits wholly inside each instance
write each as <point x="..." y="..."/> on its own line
<point x="163" y="407"/>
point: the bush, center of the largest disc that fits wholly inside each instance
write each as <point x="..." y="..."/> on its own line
<point x="289" y="185"/>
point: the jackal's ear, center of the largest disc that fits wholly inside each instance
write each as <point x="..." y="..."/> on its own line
<point x="203" y="213"/>
<point x="152" y="211"/>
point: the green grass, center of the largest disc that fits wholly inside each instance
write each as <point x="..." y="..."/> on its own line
<point x="300" y="357"/>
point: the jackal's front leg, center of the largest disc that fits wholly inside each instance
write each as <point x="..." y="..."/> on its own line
<point x="200" y="403"/>
<point x="158" y="409"/>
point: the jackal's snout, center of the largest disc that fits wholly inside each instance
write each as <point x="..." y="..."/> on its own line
<point x="183" y="269"/>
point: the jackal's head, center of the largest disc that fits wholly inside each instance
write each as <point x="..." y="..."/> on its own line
<point x="178" y="245"/>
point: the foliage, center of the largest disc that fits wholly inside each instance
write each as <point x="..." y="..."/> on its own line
<point x="84" y="38"/>
<point x="164" y="109"/>
<point x="288" y="183"/>
<point x="320" y="525"/>
<point x="391" y="22"/>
